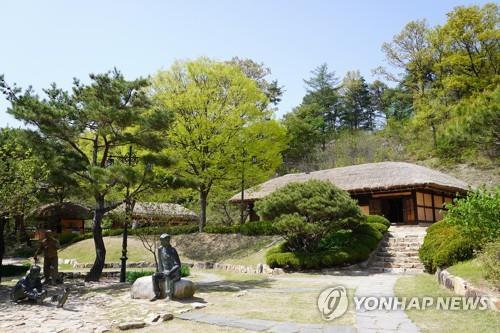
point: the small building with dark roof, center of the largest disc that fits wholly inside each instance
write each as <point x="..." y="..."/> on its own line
<point x="61" y="217"/>
<point x="158" y="212"/>
<point x="404" y="193"/>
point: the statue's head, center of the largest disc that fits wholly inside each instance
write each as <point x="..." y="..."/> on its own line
<point x="165" y="240"/>
<point x="48" y="233"/>
<point x="34" y="272"/>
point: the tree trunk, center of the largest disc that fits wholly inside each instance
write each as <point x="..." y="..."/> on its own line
<point x="434" y="135"/>
<point x="203" y="209"/>
<point x="3" y="220"/>
<point x="21" y="234"/>
<point x="100" y="249"/>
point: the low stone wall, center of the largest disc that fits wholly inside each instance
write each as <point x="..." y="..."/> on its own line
<point x="258" y="269"/>
<point x="462" y="287"/>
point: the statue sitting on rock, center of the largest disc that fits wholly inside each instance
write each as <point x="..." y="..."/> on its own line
<point x="29" y="287"/>
<point x="167" y="282"/>
<point x="169" y="270"/>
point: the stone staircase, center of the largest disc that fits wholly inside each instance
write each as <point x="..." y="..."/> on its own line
<point x="398" y="251"/>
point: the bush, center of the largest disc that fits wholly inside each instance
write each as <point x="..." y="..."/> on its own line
<point x="490" y="258"/>
<point x="134" y="275"/>
<point x="171" y="230"/>
<point x="14" y="270"/>
<point x="444" y="246"/>
<point x="477" y="215"/>
<point x="259" y="228"/>
<point x="378" y="219"/>
<point x="382" y="228"/>
<point x="221" y="229"/>
<point x="185" y="271"/>
<point x="305" y="213"/>
<point x="343" y="247"/>
<point x="67" y="237"/>
<point x="112" y="232"/>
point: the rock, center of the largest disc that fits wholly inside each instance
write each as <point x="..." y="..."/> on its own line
<point x="143" y="288"/>
<point x="198" y="305"/>
<point x="181" y="311"/>
<point x="166" y="316"/>
<point x="102" y="329"/>
<point x="460" y="286"/>
<point x="260" y="268"/>
<point x="278" y="271"/>
<point x="131" y="325"/>
<point x="152" y="318"/>
<point x="241" y="293"/>
<point x="184" y="289"/>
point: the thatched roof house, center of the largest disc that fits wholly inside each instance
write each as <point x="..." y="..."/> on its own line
<point x="61" y="217"/>
<point x="411" y="193"/>
<point x="168" y="213"/>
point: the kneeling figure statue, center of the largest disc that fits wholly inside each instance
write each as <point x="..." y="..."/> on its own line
<point x="169" y="269"/>
<point x="29" y="287"/>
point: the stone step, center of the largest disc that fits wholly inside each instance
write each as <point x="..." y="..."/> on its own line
<point x="403" y="270"/>
<point x="399" y="251"/>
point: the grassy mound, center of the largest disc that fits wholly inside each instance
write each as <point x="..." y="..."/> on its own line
<point x="191" y="247"/>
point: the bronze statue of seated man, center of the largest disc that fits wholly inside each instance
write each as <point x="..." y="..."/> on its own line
<point x="29" y="287"/>
<point x="169" y="269"/>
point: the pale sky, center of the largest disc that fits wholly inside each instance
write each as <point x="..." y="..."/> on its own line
<point x="54" y="41"/>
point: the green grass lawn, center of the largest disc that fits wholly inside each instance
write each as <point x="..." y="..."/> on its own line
<point x="472" y="271"/>
<point x="84" y="251"/>
<point x="432" y="320"/>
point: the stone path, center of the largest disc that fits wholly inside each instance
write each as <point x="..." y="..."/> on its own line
<point x="259" y="325"/>
<point x="99" y="307"/>
<point x="381" y="320"/>
<point x="366" y="321"/>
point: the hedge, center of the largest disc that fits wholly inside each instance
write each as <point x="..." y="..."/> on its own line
<point x="444" y="246"/>
<point x="14" y="270"/>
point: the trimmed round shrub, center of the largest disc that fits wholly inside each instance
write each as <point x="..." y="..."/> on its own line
<point x="382" y="228"/>
<point x="341" y="248"/>
<point x="444" y="246"/>
<point x="305" y="213"/>
<point x="378" y="219"/>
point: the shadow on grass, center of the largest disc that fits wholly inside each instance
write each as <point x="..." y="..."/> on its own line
<point x="233" y="285"/>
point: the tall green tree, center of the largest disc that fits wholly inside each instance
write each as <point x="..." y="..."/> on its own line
<point x="356" y="103"/>
<point x="88" y="124"/>
<point x="219" y="113"/>
<point x="322" y="95"/>
<point x="21" y="175"/>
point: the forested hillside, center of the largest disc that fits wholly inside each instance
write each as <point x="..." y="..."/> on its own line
<point x="436" y="102"/>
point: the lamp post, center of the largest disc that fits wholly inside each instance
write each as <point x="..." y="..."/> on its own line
<point x="131" y="160"/>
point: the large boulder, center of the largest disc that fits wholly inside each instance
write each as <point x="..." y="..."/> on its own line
<point x="143" y="288"/>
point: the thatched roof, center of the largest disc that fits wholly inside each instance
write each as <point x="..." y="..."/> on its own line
<point x="365" y="178"/>
<point x="161" y="210"/>
<point x="64" y="210"/>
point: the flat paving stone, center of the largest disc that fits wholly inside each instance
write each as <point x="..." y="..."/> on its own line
<point x="381" y="320"/>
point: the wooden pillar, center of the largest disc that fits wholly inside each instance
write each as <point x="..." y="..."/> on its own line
<point x="415" y="208"/>
<point x="251" y="212"/>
